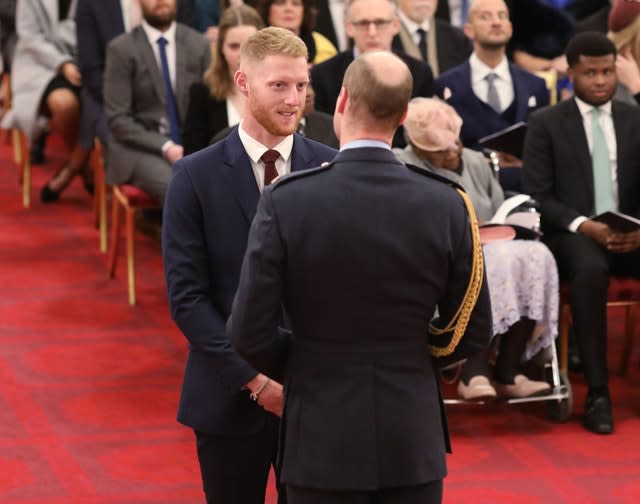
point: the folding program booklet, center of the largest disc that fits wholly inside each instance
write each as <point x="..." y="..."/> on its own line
<point x="509" y="140"/>
<point x="622" y="223"/>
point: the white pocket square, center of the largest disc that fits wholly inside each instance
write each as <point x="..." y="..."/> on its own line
<point x="532" y="101"/>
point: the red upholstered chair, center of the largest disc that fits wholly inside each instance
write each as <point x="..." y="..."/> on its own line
<point x="100" y="194"/>
<point x="623" y="292"/>
<point x="130" y="199"/>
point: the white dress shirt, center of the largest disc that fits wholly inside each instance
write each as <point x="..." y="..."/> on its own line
<point x="233" y="115"/>
<point x="412" y="27"/>
<point x="153" y="35"/>
<point x="606" y="124"/>
<point x="503" y="83"/>
<point x="255" y="150"/>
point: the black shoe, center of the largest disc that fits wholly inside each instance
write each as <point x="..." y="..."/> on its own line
<point x="48" y="195"/>
<point x="597" y="414"/>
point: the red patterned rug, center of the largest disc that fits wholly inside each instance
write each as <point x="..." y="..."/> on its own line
<point x="89" y="386"/>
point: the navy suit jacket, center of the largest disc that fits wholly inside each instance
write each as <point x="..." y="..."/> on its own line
<point x="354" y="253"/>
<point x="97" y="23"/>
<point x="530" y="93"/>
<point x="209" y="206"/>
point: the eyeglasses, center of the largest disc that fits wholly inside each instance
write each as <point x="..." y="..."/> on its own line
<point x="364" y="24"/>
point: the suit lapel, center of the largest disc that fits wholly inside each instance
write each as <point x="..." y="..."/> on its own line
<point x="149" y="60"/>
<point x="574" y="128"/>
<point x="239" y="174"/>
<point x="301" y="156"/>
<point x="623" y="133"/>
<point x="520" y="96"/>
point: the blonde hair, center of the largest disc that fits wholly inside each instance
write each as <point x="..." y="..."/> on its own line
<point x="272" y="41"/>
<point x="217" y="76"/>
<point x="628" y="37"/>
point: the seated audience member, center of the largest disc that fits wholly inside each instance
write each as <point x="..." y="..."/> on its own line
<point x="46" y="82"/>
<point x="580" y="160"/>
<point x="207" y="15"/>
<point x="430" y="39"/>
<point x="624" y="31"/>
<point x="147" y="78"/>
<point x="540" y="34"/>
<point x="488" y="92"/>
<point x="522" y="274"/>
<point x="97" y="23"/>
<point x="215" y="103"/>
<point x="372" y="24"/>
<point x="299" y="16"/>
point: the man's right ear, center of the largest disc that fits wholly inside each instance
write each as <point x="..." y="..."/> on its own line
<point x="240" y="79"/>
<point x="341" y="104"/>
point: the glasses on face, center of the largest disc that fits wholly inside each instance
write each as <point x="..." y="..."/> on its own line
<point x="364" y="24"/>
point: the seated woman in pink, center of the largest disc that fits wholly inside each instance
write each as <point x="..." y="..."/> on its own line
<point x="522" y="274"/>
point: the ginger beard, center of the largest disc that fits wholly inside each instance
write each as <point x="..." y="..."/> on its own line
<point x="276" y="92"/>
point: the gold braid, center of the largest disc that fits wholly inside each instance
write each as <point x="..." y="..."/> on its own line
<point x="460" y="320"/>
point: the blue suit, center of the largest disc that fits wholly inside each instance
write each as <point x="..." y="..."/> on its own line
<point x="530" y="93"/>
<point x="209" y="207"/>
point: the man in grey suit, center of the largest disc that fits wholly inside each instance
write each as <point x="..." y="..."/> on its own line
<point x="354" y="253"/>
<point x="147" y="78"/>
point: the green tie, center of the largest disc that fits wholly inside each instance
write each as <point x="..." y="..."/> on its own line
<point x="602" y="184"/>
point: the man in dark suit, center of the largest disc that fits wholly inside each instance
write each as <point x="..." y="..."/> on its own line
<point x="97" y="23"/>
<point x="146" y="89"/>
<point x="488" y="92"/>
<point x="429" y="39"/>
<point x="580" y="159"/>
<point x="372" y="24"/>
<point x="211" y="201"/>
<point x="363" y="419"/>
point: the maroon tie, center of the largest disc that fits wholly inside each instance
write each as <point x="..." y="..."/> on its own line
<point x="269" y="160"/>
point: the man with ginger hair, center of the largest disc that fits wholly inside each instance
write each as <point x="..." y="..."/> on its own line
<point x="353" y="252"/>
<point x="211" y="201"/>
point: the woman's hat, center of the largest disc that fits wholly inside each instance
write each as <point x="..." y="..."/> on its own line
<point x="623" y="13"/>
<point x="432" y="125"/>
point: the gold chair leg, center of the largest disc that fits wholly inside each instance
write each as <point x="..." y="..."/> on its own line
<point x="112" y="256"/>
<point x="131" y="263"/>
<point x="102" y="215"/>
<point x="17" y="145"/>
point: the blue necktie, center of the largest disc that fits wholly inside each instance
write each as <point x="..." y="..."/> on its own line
<point x="602" y="183"/>
<point x="172" y="106"/>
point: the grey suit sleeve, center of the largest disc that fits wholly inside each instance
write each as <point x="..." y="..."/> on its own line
<point x="187" y="270"/>
<point x="119" y="79"/>
<point x="257" y="305"/>
<point x="538" y="180"/>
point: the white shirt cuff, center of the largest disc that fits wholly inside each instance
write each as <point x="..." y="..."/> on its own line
<point x="575" y="223"/>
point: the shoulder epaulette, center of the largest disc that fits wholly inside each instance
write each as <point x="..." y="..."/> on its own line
<point x="434" y="176"/>
<point x="298" y="174"/>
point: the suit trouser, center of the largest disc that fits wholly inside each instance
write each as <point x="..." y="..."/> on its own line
<point x="235" y="469"/>
<point x="429" y="493"/>
<point x="587" y="266"/>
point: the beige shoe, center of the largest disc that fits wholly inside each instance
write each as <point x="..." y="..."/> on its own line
<point x="522" y="387"/>
<point x="479" y="388"/>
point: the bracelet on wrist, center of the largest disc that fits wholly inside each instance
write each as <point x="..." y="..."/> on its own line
<point x="254" y="395"/>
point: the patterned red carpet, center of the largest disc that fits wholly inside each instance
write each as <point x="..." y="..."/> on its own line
<point x="89" y="386"/>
